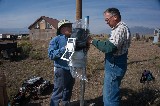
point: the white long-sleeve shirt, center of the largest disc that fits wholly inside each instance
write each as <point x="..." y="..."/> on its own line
<point x="121" y="38"/>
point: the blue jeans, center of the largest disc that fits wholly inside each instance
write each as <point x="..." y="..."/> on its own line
<point x="115" y="68"/>
<point x="63" y="85"/>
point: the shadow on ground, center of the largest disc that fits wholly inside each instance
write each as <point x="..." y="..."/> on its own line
<point x="145" y="97"/>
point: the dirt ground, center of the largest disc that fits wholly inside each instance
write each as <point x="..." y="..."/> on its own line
<point x="142" y="56"/>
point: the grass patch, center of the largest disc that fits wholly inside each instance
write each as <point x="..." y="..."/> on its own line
<point x="36" y="55"/>
<point x="158" y="44"/>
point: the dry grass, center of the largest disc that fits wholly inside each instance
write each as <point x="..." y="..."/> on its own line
<point x="142" y="55"/>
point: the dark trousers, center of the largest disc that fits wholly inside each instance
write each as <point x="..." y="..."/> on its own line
<point x="63" y="85"/>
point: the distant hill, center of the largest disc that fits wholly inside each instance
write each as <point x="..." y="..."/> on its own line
<point x="13" y="30"/>
<point x="142" y="30"/>
<point x="137" y="29"/>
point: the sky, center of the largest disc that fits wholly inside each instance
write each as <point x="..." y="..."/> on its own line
<point x="22" y="13"/>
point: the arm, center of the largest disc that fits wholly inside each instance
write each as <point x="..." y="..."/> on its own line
<point x="53" y="50"/>
<point x="104" y="46"/>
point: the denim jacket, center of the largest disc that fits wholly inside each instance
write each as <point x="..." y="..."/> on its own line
<point x="56" y="49"/>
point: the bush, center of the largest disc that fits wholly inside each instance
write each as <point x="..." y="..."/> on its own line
<point x="25" y="38"/>
<point x="29" y="50"/>
<point x="26" y="47"/>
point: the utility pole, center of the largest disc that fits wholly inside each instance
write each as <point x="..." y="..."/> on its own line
<point x="78" y="9"/>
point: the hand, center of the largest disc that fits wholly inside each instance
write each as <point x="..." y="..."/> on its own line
<point x="89" y="40"/>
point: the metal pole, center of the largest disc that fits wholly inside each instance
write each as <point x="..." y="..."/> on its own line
<point x="82" y="87"/>
<point x="84" y="69"/>
<point x="82" y="82"/>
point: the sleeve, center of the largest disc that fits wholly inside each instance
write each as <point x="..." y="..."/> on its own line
<point x="104" y="46"/>
<point x="54" y="51"/>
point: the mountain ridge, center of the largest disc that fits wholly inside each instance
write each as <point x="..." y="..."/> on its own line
<point x="136" y="29"/>
<point x="142" y="30"/>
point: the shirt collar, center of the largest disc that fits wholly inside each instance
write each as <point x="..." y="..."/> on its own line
<point x="117" y="25"/>
<point x="64" y="36"/>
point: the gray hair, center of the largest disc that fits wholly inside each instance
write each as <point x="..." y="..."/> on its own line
<point x="113" y="11"/>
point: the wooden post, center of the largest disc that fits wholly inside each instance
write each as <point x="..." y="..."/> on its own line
<point x="3" y="91"/>
<point x="82" y="88"/>
<point x="78" y="9"/>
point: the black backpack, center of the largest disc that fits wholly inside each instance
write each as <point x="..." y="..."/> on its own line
<point x="81" y="36"/>
<point x="146" y="76"/>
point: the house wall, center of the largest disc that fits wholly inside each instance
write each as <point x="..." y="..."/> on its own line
<point x="42" y="24"/>
<point x="42" y="34"/>
<point x="42" y="31"/>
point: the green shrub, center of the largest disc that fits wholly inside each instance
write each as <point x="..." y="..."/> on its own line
<point x="25" y="38"/>
<point x="26" y="47"/>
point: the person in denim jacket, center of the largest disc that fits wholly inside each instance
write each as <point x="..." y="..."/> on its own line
<point x="116" y="51"/>
<point x="63" y="80"/>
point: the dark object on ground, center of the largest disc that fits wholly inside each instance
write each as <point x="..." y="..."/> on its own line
<point x="31" y="88"/>
<point x="9" y="50"/>
<point x="146" y="76"/>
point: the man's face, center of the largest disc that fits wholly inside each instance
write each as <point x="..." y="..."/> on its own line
<point x="67" y="29"/>
<point x="110" y="19"/>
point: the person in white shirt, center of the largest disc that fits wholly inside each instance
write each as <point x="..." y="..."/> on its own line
<point x="116" y="51"/>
